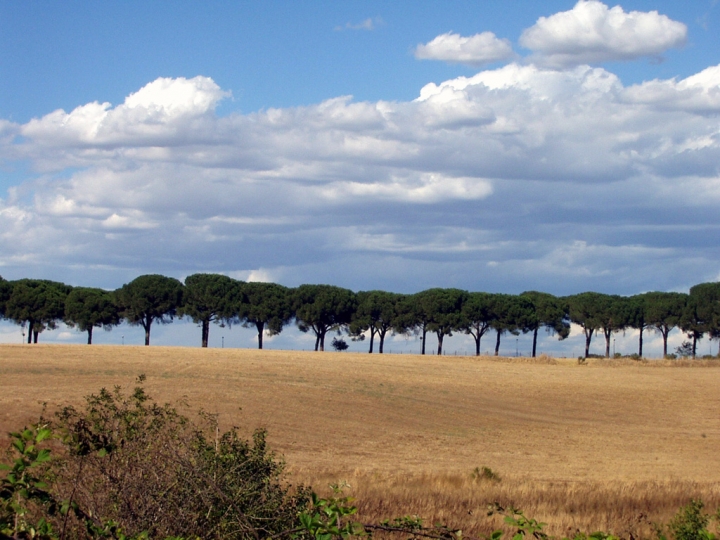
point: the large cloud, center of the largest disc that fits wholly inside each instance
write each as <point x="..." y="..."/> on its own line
<point x="516" y="178"/>
<point x="476" y="50"/>
<point x="591" y="32"/>
<point x="158" y="113"/>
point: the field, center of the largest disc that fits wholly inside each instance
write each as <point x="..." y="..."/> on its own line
<point x="611" y="445"/>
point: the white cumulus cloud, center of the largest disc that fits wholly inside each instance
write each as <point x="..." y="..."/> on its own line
<point x="476" y="50"/>
<point x="160" y="111"/>
<point x="592" y="32"/>
<point x="513" y="166"/>
<point x="699" y="92"/>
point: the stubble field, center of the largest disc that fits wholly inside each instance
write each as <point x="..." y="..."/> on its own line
<point x="611" y="445"/>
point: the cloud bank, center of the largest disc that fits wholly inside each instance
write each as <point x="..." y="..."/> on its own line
<point x="565" y="176"/>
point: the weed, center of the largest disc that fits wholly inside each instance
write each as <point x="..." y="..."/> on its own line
<point x="485" y="474"/>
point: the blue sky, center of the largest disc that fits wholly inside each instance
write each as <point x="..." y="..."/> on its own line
<point x="275" y="54"/>
<point x="498" y="146"/>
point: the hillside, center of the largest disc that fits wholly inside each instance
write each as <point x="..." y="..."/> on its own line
<point x="342" y="412"/>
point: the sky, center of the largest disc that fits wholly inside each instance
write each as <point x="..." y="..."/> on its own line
<point x="494" y="146"/>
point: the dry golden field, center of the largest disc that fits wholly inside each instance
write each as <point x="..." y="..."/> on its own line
<point x="608" y="445"/>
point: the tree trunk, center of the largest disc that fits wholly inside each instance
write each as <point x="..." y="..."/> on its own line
<point x="381" y="345"/>
<point x="535" y="333"/>
<point x="497" y="343"/>
<point x="607" y="333"/>
<point x="641" y="343"/>
<point x="664" y="332"/>
<point x="205" y="333"/>
<point x="147" y="323"/>
<point x="260" y="328"/>
<point x="30" y="331"/>
<point x="588" y="338"/>
<point x="424" y="335"/>
<point x="372" y="339"/>
<point x="477" y="344"/>
<point x="90" y="335"/>
<point x="440" y="336"/>
<point x="36" y="332"/>
<point x="322" y="341"/>
<point x="694" y="344"/>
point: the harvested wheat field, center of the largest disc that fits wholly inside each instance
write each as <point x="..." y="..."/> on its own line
<point x="609" y="445"/>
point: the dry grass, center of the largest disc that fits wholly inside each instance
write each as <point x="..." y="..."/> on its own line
<point x="624" y="508"/>
<point x="592" y="446"/>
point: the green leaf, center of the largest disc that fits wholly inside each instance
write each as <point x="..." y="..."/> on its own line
<point x="43" y="456"/>
<point x="43" y="434"/>
<point x="20" y="445"/>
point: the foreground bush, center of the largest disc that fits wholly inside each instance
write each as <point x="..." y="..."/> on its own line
<point x="125" y="465"/>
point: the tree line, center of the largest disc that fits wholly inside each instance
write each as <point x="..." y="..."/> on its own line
<point x="37" y="305"/>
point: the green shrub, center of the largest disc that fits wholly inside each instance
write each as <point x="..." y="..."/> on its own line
<point x="125" y="466"/>
<point x="690" y="523"/>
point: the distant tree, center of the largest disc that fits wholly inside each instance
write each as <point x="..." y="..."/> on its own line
<point x="549" y="312"/>
<point x="377" y="313"/>
<point x="615" y="314"/>
<point x="321" y="308"/>
<point x="478" y="315"/>
<point x="663" y="311"/>
<point x="418" y="315"/>
<point x="209" y="298"/>
<point x="339" y="344"/>
<point x="37" y="303"/>
<point x="445" y="313"/>
<point x="435" y="310"/>
<point x="5" y="290"/>
<point x="586" y="310"/>
<point x="707" y="299"/>
<point x="512" y="314"/>
<point x="685" y="350"/>
<point x="692" y="323"/>
<point x="87" y="308"/>
<point x="637" y="317"/>
<point x="266" y="306"/>
<point x="660" y="311"/>
<point x="150" y="298"/>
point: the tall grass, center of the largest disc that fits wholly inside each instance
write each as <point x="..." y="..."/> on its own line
<point x="627" y="509"/>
